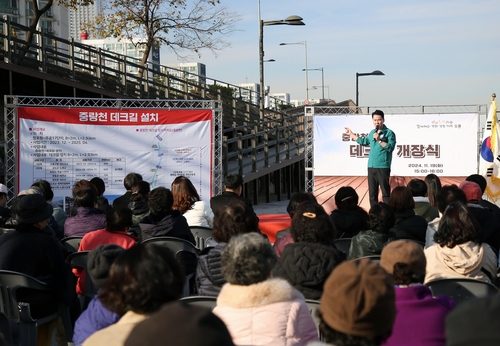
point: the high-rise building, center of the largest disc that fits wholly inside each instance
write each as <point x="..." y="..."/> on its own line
<point x="249" y="92"/>
<point x="192" y="72"/>
<point x="80" y="16"/>
<point x="53" y="22"/>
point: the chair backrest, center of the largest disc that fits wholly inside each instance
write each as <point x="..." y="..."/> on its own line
<point x="203" y="301"/>
<point x="79" y="260"/>
<point x="10" y="281"/>
<point x="71" y="243"/>
<point x="343" y="244"/>
<point x="462" y="289"/>
<point x="313" y="306"/>
<point x="19" y="313"/>
<point x="201" y="235"/>
<point x="176" y="245"/>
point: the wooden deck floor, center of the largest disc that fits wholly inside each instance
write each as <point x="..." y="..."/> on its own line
<point x="325" y="188"/>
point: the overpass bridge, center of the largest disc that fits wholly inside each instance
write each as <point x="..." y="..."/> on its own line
<point x="267" y="150"/>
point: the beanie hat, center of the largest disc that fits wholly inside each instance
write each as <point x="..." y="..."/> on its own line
<point x="179" y="323"/>
<point x="30" y="209"/>
<point x="474" y="323"/>
<point x="472" y="191"/>
<point x="403" y="251"/>
<point x="3" y="189"/>
<point x="358" y="299"/>
<point x="100" y="260"/>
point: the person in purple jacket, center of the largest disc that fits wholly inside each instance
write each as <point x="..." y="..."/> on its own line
<point x="96" y="316"/>
<point x="88" y="218"/>
<point x="420" y="318"/>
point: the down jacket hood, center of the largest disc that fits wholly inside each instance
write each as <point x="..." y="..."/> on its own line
<point x="464" y="258"/>
<point x="259" y="294"/>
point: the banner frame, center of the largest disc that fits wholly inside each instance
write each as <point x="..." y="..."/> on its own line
<point x="13" y="102"/>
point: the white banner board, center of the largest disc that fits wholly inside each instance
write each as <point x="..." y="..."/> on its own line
<point x="63" y="146"/>
<point x="443" y="144"/>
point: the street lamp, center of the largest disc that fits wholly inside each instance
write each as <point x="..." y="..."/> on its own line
<point x="322" y="80"/>
<point x="374" y="73"/>
<point x="315" y="87"/>
<point x="304" y="43"/>
<point x="290" y="20"/>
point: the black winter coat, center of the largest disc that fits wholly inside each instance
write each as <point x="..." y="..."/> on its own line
<point x="209" y="278"/>
<point x="306" y="266"/>
<point x="348" y="223"/>
<point x="409" y="226"/>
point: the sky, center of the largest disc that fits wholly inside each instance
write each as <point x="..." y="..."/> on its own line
<point x="432" y="52"/>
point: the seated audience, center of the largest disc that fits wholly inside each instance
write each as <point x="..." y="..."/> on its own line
<point x="357" y="306"/>
<point x="408" y="225"/>
<point x="80" y="185"/>
<point x="446" y="195"/>
<point x="139" y="205"/>
<point x="140" y="280"/>
<point x="458" y="251"/>
<point x="102" y="202"/>
<point x="128" y="181"/>
<point x="88" y="217"/>
<point x="178" y="323"/>
<point x="234" y="218"/>
<point x="474" y="323"/>
<point x="258" y="309"/>
<point x="349" y="218"/>
<point x="96" y="316"/>
<point x="188" y="202"/>
<point x="117" y="224"/>
<point x="420" y="317"/>
<point x="59" y="216"/>
<point x="433" y="187"/>
<point x="481" y="181"/>
<point x="313" y="233"/>
<point x="162" y="220"/>
<point x="284" y="237"/>
<point x="233" y="185"/>
<point x="423" y="207"/>
<point x="33" y="250"/>
<point x="370" y="243"/>
<point x="489" y="224"/>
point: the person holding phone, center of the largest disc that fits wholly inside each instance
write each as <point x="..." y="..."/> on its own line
<point x="382" y="142"/>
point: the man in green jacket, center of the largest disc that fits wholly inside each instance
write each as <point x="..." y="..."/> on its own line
<point x="382" y="142"/>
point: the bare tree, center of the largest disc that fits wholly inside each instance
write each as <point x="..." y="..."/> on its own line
<point x="182" y="25"/>
<point x="39" y="11"/>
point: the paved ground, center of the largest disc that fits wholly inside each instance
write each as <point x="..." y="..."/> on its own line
<point x="271" y="208"/>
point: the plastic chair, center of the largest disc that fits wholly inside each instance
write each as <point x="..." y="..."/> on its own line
<point x="201" y="235"/>
<point x="462" y="289"/>
<point x="5" y="329"/>
<point x="343" y="244"/>
<point x="19" y="312"/>
<point x="72" y="243"/>
<point x="79" y="260"/>
<point x="177" y="246"/>
<point x="313" y="306"/>
<point x="203" y="301"/>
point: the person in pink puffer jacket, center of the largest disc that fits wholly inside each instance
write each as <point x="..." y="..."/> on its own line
<point x="258" y="309"/>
